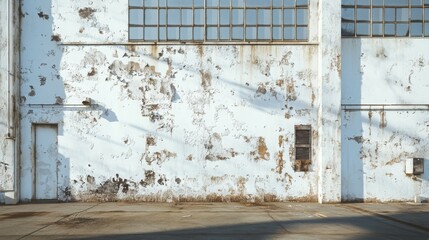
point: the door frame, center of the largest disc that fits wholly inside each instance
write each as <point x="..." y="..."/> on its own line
<point x="33" y="161"/>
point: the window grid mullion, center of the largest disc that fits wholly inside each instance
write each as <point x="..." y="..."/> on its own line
<point x="261" y="30"/>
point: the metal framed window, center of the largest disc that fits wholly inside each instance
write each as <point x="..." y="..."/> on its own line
<point x="218" y="20"/>
<point x="302" y="147"/>
<point x="385" y="18"/>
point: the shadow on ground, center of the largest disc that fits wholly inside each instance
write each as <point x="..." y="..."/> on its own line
<point x="317" y="227"/>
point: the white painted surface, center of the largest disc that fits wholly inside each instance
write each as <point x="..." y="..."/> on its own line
<point x="46" y="155"/>
<point x="168" y="122"/>
<point x="207" y="122"/>
<point x="7" y="105"/>
<point x="375" y="143"/>
<point x="329" y="121"/>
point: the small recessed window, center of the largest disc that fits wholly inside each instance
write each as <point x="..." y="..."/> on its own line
<point x="302" y="148"/>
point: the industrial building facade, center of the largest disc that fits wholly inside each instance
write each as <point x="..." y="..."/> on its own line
<point x="214" y="100"/>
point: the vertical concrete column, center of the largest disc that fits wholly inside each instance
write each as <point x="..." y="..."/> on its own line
<point x="9" y="176"/>
<point x="329" y="117"/>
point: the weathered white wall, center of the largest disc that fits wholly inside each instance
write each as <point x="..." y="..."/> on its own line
<point x="377" y="142"/>
<point x="179" y="122"/>
<point x="329" y="109"/>
<point x="8" y="116"/>
<point x="5" y="174"/>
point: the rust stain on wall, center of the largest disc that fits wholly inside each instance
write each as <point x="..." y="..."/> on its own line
<point x="383" y="121"/>
<point x="206" y="79"/>
<point x="279" y="168"/>
<point x="262" y="150"/>
<point x="86" y="12"/>
<point x="149" y="178"/>
<point x="290" y="90"/>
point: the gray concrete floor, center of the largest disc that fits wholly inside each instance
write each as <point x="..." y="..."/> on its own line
<point x="214" y="221"/>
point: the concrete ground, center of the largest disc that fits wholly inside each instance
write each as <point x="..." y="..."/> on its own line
<point x="214" y="221"/>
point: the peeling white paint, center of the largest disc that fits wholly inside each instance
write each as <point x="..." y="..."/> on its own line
<point x="376" y="143"/>
<point x="214" y="122"/>
<point x="167" y="122"/>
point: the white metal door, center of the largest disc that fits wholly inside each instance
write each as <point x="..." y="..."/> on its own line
<point x="46" y="153"/>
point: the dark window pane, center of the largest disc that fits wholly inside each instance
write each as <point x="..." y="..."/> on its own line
<point x="238" y="3"/>
<point x="389" y="14"/>
<point x="377" y="14"/>
<point x="348" y="2"/>
<point x="348" y="14"/>
<point x="416" y="29"/>
<point x="377" y="29"/>
<point x="416" y="3"/>
<point x="136" y="33"/>
<point x="301" y="16"/>
<point x="402" y="30"/>
<point x="264" y="33"/>
<point x="224" y="17"/>
<point x="250" y="33"/>
<point x="426" y="29"/>
<point x="301" y="3"/>
<point x="237" y="16"/>
<point x="151" y="3"/>
<point x="162" y="16"/>
<point x="136" y="16"/>
<point x="277" y="3"/>
<point x="289" y="17"/>
<point x="187" y="17"/>
<point x="199" y="3"/>
<point x="277" y="17"/>
<point x="173" y="33"/>
<point x="136" y="3"/>
<point x="186" y="33"/>
<point x="302" y="33"/>
<point x="151" y="17"/>
<point x="277" y="33"/>
<point x="362" y="14"/>
<point x="363" y="2"/>
<point x="396" y="3"/>
<point x="212" y="16"/>
<point x="264" y="16"/>
<point x="179" y="3"/>
<point x="224" y="3"/>
<point x="257" y="3"/>
<point x="289" y="3"/>
<point x="250" y="16"/>
<point x="151" y="33"/>
<point x="362" y="29"/>
<point x="173" y="16"/>
<point x="402" y="14"/>
<point x="212" y="3"/>
<point x="198" y="33"/>
<point x="416" y="14"/>
<point x="348" y="29"/>
<point x="237" y="33"/>
<point x="389" y="29"/>
<point x="289" y="33"/>
<point x="377" y="3"/>
<point x="199" y="16"/>
<point x="162" y="34"/>
<point x="224" y="33"/>
<point x="212" y="33"/>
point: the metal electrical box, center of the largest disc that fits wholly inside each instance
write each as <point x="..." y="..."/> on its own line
<point x="414" y="166"/>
